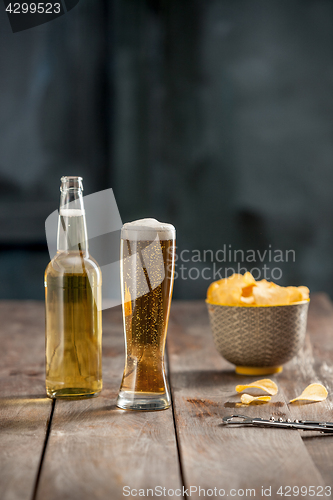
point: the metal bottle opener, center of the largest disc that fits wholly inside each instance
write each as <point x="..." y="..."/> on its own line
<point x="305" y="425"/>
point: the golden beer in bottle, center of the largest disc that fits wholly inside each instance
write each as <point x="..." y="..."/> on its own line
<point x="147" y="271"/>
<point x="73" y="305"/>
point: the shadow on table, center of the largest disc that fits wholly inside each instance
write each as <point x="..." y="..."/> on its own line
<point x="205" y="378"/>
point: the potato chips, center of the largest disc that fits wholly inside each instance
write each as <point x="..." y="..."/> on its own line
<point x="265" y="385"/>
<point x="244" y="290"/>
<point x="247" y="399"/>
<point x="313" y="392"/>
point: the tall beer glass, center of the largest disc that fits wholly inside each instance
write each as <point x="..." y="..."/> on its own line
<point x="147" y="272"/>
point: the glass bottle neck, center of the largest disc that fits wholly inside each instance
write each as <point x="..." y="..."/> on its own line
<point x="72" y="227"/>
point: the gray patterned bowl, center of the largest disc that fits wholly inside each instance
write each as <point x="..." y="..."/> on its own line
<point x="258" y="340"/>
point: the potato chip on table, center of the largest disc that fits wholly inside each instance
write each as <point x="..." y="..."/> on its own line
<point x="247" y="399"/>
<point x="265" y="385"/>
<point x="312" y="393"/>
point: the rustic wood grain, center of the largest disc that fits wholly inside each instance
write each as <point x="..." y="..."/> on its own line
<point x="24" y="408"/>
<point x="213" y="455"/>
<point x="95" y="449"/>
<point x="314" y="364"/>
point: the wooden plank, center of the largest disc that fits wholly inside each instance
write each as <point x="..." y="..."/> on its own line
<point x="203" y="386"/>
<point x="95" y="449"/>
<point x="314" y="364"/>
<point x="24" y="408"/>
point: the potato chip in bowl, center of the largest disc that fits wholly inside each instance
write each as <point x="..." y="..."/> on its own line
<point x="257" y="325"/>
<point x="244" y="290"/>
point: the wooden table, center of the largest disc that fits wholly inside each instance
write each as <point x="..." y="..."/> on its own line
<point x="89" y="449"/>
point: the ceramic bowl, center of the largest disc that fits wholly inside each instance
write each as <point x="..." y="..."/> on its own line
<point x="258" y="339"/>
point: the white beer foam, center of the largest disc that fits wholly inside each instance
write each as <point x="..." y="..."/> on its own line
<point x="71" y="212"/>
<point x="147" y="230"/>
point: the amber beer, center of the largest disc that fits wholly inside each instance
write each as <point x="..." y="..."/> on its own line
<point x="147" y="270"/>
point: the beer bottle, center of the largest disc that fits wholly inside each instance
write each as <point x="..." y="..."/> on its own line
<point x="73" y="298"/>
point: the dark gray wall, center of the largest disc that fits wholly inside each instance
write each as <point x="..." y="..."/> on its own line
<point x="214" y="115"/>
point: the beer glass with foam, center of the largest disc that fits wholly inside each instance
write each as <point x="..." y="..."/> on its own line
<point x="147" y="273"/>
